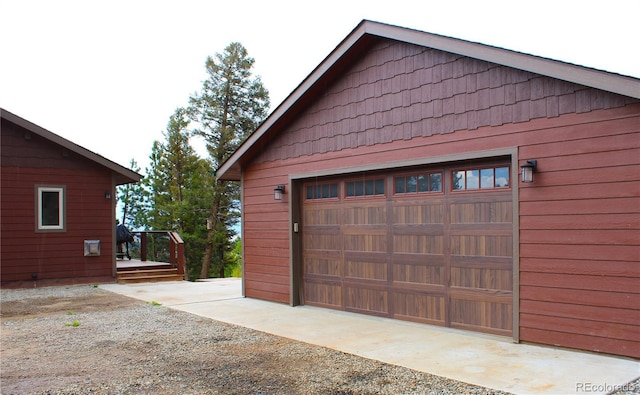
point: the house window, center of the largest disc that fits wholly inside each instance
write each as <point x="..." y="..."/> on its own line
<point x="418" y="183"/>
<point x="50" y="201"/>
<point x="365" y="187"/>
<point x="486" y="178"/>
<point x="322" y="191"/>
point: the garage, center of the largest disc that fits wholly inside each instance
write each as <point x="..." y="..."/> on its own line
<point x="431" y="244"/>
<point x="380" y="186"/>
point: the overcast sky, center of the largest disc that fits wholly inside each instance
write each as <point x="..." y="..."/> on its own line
<point x="107" y="75"/>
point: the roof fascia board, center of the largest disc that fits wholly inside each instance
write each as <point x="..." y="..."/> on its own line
<point x="32" y="127"/>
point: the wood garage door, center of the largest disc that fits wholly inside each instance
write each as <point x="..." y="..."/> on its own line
<point x="432" y="245"/>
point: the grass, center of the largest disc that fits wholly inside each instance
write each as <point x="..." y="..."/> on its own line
<point x="154" y="303"/>
<point x="74" y="324"/>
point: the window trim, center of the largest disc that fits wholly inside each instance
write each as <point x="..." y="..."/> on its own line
<point x="479" y="169"/>
<point x="417" y="174"/>
<point x="320" y="184"/>
<point x="62" y="220"/>
<point x="364" y="180"/>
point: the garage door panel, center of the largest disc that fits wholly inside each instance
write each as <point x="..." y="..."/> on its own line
<point x="481" y="229"/>
<point x="419" y="274"/>
<point x="369" y="214"/>
<point x="366" y="269"/>
<point x="321" y="215"/>
<point x="480" y="294"/>
<point x="486" y="212"/>
<point x="481" y="316"/>
<point x="323" y="293"/>
<point x="418" y="244"/>
<point x="489" y="262"/>
<point x="366" y="299"/>
<point x="365" y="242"/>
<point x="323" y="264"/>
<point x="322" y="241"/>
<point x="481" y="278"/>
<point x="481" y="245"/>
<point x="420" y="306"/>
<point x="417" y="212"/>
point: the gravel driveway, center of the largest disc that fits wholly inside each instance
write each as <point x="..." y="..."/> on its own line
<point x="86" y="340"/>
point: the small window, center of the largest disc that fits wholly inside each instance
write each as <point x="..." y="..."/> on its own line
<point x="50" y="202"/>
<point x="321" y="191"/>
<point x="425" y="182"/>
<point x="487" y="178"/>
<point x="365" y="188"/>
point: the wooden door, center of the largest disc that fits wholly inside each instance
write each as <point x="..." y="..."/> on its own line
<point x="441" y="257"/>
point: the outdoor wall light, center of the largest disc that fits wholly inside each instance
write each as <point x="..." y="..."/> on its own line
<point x="278" y="192"/>
<point x="107" y="195"/>
<point x="527" y="170"/>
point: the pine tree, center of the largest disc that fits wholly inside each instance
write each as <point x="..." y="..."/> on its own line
<point x="230" y="106"/>
<point x="132" y="201"/>
<point x="180" y="185"/>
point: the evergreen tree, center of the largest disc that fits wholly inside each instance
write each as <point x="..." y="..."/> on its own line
<point x="180" y="185"/>
<point x="231" y="105"/>
<point x="132" y="201"/>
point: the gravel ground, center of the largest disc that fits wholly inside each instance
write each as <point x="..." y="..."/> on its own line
<point x="85" y="340"/>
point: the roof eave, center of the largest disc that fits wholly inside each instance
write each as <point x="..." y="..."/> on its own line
<point x="123" y="175"/>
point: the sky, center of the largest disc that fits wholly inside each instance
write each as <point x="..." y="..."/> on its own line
<point x="107" y="75"/>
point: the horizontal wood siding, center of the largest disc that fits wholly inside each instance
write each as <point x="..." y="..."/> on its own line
<point x="89" y="216"/>
<point x="579" y="221"/>
<point x="266" y="238"/>
<point x="580" y="240"/>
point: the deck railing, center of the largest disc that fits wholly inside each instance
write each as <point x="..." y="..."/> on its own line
<point x="159" y="246"/>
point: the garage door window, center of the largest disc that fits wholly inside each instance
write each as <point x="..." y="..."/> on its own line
<point x="486" y="178"/>
<point x="418" y="183"/>
<point x="322" y="191"/>
<point x="365" y="188"/>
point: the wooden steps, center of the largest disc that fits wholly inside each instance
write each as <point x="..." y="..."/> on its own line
<point x="148" y="275"/>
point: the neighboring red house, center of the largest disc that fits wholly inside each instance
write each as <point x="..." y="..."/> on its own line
<point x="401" y="157"/>
<point x="57" y="206"/>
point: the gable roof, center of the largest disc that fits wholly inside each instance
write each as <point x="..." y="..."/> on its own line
<point x="366" y="31"/>
<point x="121" y="173"/>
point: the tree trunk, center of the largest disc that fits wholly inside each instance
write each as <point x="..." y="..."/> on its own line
<point x="221" y="258"/>
<point x="208" y="251"/>
<point x="204" y="270"/>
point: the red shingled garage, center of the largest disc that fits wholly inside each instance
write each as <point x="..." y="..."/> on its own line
<point x="398" y="164"/>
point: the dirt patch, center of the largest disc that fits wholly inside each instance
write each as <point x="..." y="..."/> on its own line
<point x="87" y="340"/>
<point x="43" y="307"/>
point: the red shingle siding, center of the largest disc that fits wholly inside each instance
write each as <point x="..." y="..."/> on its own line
<point x="89" y="216"/>
<point x="399" y="91"/>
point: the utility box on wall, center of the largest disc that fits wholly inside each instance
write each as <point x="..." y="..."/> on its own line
<point x="92" y="248"/>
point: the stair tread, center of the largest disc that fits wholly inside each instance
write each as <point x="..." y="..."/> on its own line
<point x="174" y="277"/>
<point x="148" y="275"/>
